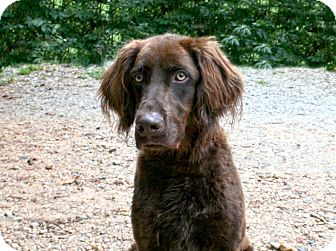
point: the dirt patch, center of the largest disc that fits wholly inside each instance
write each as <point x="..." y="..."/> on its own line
<point x="66" y="177"/>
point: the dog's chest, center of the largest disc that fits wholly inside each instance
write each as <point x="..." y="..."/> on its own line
<point x="182" y="207"/>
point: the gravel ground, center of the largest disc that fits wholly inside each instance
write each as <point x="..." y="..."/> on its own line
<point x="66" y="177"/>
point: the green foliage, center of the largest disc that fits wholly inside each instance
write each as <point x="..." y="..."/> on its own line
<point x="262" y="33"/>
<point x="26" y="70"/>
<point x="95" y="73"/>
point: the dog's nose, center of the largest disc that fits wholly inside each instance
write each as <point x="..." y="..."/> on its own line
<point x="149" y="125"/>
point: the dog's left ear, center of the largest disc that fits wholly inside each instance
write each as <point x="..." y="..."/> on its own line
<point x="221" y="88"/>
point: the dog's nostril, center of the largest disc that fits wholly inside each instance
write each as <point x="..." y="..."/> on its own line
<point x="154" y="127"/>
<point x="140" y="128"/>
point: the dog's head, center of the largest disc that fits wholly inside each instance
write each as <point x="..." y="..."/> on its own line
<point x="166" y="82"/>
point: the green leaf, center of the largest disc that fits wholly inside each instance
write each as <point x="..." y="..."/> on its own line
<point x="231" y="40"/>
<point x="263" y="48"/>
<point x="264" y="64"/>
<point x="242" y="30"/>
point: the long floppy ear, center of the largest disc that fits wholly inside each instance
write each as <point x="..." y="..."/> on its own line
<point x="115" y="92"/>
<point x="221" y="87"/>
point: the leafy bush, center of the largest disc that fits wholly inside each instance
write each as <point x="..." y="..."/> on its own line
<point x="262" y="33"/>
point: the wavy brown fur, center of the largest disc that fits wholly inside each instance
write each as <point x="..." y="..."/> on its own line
<point x="187" y="192"/>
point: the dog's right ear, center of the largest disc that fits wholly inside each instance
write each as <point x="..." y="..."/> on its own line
<point x="115" y="92"/>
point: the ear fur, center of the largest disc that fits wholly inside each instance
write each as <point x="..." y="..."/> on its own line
<point x="114" y="92"/>
<point x="221" y="87"/>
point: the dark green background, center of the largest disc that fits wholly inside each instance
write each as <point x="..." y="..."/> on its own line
<point x="261" y="33"/>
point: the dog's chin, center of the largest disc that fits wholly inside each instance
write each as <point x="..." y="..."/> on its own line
<point x="158" y="143"/>
<point x="157" y="146"/>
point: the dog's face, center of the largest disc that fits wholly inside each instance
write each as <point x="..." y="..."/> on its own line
<point x="164" y="82"/>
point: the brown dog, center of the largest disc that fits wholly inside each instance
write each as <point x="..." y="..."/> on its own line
<point x="187" y="192"/>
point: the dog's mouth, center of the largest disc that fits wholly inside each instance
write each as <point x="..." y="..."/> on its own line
<point x="158" y="146"/>
<point x="164" y="141"/>
<point x="153" y="146"/>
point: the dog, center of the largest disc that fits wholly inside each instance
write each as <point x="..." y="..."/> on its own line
<point x="187" y="192"/>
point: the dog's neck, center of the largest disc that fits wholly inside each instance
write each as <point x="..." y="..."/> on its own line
<point x="199" y="158"/>
<point x="205" y="140"/>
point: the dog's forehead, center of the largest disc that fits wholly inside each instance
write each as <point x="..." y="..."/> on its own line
<point x="163" y="52"/>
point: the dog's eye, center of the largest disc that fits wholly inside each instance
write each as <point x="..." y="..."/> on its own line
<point x="180" y="76"/>
<point x="138" y="77"/>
